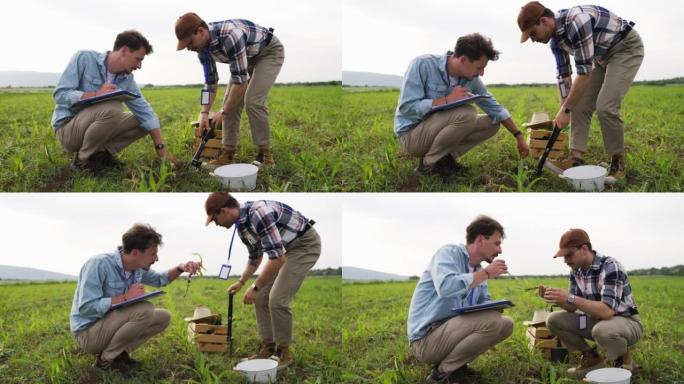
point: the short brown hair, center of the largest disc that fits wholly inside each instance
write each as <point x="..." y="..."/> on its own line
<point x="140" y="237"/>
<point x="485" y="226"/>
<point x="474" y="46"/>
<point x="133" y="40"/>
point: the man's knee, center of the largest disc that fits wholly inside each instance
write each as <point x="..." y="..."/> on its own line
<point x="162" y="317"/>
<point x="555" y="321"/>
<point x="465" y="115"/>
<point x="603" y="330"/>
<point x="143" y="311"/>
<point x="506" y="327"/>
<point x="254" y="105"/>
<point x="108" y="109"/>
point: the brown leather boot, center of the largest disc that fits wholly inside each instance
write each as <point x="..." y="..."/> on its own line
<point x="625" y="362"/>
<point x="265" y="155"/>
<point x="265" y="351"/>
<point x="618" y="168"/>
<point x="226" y="157"/>
<point x="283" y="356"/>
<point x="590" y="360"/>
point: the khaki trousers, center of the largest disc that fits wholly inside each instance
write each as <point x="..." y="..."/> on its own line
<point x="123" y="329"/>
<point x="614" y="336"/>
<point x="454" y="131"/>
<point x="462" y="338"/>
<point x="272" y="306"/>
<point x="609" y="82"/>
<point x="263" y="70"/>
<point x="103" y="126"/>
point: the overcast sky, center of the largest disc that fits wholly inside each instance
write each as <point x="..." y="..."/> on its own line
<point x="385" y="35"/>
<point x="399" y="233"/>
<point x="59" y="232"/>
<point x="42" y="35"/>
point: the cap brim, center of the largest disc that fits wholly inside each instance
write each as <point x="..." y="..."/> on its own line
<point x="564" y="252"/>
<point x="182" y="44"/>
<point x="525" y="35"/>
<point x="209" y="220"/>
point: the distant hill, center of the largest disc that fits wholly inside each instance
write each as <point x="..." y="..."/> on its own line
<point x="360" y="274"/>
<point x="8" y="272"/>
<point x="677" y="270"/>
<point x="369" y="79"/>
<point x="16" y="79"/>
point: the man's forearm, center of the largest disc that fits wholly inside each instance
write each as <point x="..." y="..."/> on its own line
<point x="595" y="309"/>
<point x="252" y="266"/>
<point x="235" y="96"/>
<point x="577" y="90"/>
<point x="270" y="271"/>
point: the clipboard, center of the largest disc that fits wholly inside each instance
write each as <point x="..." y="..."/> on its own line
<point x="457" y="103"/>
<point x="136" y="300"/>
<point x="499" y="304"/>
<point x="119" y="95"/>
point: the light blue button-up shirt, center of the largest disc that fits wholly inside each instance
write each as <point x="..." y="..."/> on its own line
<point x="443" y="286"/>
<point x="101" y="278"/>
<point x="87" y="72"/>
<point x="426" y="79"/>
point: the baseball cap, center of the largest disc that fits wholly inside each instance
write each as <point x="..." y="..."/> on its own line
<point x="214" y="203"/>
<point x="570" y="240"/>
<point x="186" y="26"/>
<point x="528" y="16"/>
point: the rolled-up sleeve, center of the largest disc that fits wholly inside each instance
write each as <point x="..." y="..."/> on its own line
<point x="90" y="298"/>
<point x="412" y="100"/>
<point x="613" y="285"/>
<point x="447" y="281"/>
<point x="581" y="34"/>
<point x="489" y="105"/>
<point x="66" y="92"/>
<point x="141" y="109"/>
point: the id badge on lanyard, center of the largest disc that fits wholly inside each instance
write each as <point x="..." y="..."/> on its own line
<point x="224" y="272"/>
<point x="204" y="96"/>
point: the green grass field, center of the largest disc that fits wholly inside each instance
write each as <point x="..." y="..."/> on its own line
<point x="36" y="345"/>
<point x="376" y="349"/>
<point x="329" y="139"/>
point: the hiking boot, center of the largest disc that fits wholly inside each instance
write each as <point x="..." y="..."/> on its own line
<point x="568" y="162"/>
<point x="264" y="352"/>
<point x="437" y="377"/>
<point x="78" y="165"/>
<point x="127" y="360"/>
<point x="283" y="356"/>
<point x="96" y="164"/>
<point x="617" y="169"/>
<point x="110" y="161"/>
<point x="424" y="169"/>
<point x="265" y="156"/>
<point x="226" y="157"/>
<point x="625" y="361"/>
<point x="590" y="360"/>
<point x="114" y="365"/>
<point x="447" y="166"/>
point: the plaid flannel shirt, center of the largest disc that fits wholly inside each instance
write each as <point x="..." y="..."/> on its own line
<point x="605" y="281"/>
<point x="233" y="42"/>
<point x="268" y="226"/>
<point x="585" y="31"/>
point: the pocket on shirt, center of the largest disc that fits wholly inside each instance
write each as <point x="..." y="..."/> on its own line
<point x="91" y="83"/>
<point x="437" y="90"/>
<point x="113" y="288"/>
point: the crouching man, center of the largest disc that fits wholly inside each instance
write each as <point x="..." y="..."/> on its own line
<point x="454" y="279"/>
<point x="113" y="278"/>
<point x="599" y="288"/>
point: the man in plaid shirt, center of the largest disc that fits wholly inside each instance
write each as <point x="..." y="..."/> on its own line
<point x="599" y="287"/>
<point x="608" y="54"/>
<point x="255" y="57"/>
<point x="292" y="246"/>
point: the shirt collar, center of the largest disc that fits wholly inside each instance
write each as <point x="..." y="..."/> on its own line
<point x="101" y="59"/>
<point x="443" y="69"/>
<point x="214" y="33"/>
<point x="560" y="22"/>
<point x="595" y="265"/>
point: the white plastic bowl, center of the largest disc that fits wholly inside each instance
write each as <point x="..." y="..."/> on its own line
<point x="588" y="178"/>
<point x="609" y="376"/>
<point x="237" y="177"/>
<point x="258" y="370"/>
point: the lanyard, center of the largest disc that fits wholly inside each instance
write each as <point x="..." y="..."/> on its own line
<point x="207" y="57"/>
<point x="230" y="248"/>
<point x="470" y="298"/>
<point x="446" y="71"/>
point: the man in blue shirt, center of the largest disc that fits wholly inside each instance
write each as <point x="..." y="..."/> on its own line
<point x="607" y="53"/>
<point x="98" y="132"/>
<point x="255" y="56"/>
<point x="433" y="80"/>
<point x="455" y="279"/>
<point x="114" y="278"/>
<point x="292" y="245"/>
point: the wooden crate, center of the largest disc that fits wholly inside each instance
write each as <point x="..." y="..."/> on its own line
<point x="208" y="338"/>
<point x="539" y="332"/>
<point x="537" y="140"/>
<point x="213" y="146"/>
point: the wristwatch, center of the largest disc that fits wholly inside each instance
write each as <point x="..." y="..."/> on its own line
<point x="159" y="146"/>
<point x="255" y="288"/>
<point x="571" y="299"/>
